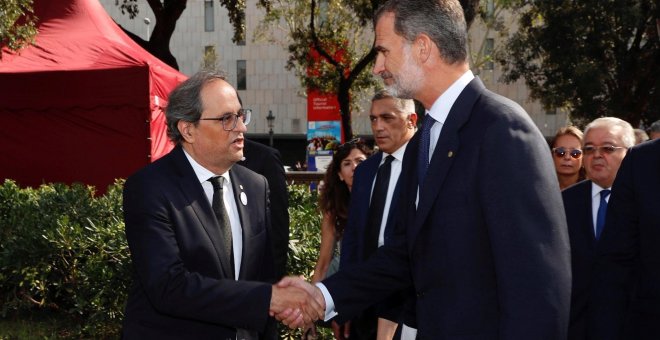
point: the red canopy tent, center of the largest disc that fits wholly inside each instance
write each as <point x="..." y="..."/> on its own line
<point x="85" y="104"/>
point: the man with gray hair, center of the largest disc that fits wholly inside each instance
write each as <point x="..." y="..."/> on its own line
<point x="373" y="204"/>
<point x="606" y="141"/>
<point x="198" y="226"/>
<point x="480" y="233"/>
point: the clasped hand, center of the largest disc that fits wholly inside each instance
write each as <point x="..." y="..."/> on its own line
<point x="296" y="303"/>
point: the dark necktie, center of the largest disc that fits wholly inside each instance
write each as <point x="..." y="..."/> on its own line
<point x="424" y="145"/>
<point x="602" y="211"/>
<point x="377" y="206"/>
<point x="223" y="219"/>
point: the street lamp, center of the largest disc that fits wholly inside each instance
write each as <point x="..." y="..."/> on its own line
<point x="147" y="22"/>
<point x="271" y="122"/>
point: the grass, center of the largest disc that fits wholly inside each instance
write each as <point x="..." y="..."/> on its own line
<point x="33" y="326"/>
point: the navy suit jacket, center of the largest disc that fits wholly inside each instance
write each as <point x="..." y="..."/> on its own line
<point x="627" y="274"/>
<point x="487" y="249"/>
<point x="353" y="240"/>
<point x="182" y="287"/>
<point x="579" y="217"/>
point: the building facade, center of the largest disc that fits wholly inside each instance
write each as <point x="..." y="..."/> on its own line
<point x="257" y="70"/>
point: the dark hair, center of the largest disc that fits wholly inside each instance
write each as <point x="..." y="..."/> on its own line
<point x="334" y="196"/>
<point x="442" y="20"/>
<point x="185" y="102"/>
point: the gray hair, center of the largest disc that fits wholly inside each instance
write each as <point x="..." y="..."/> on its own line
<point x="627" y="132"/>
<point x="442" y="20"/>
<point x="404" y="105"/>
<point x="185" y="102"/>
<point x="655" y="127"/>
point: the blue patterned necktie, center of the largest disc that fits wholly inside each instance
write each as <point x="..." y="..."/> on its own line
<point x="602" y="211"/>
<point x="424" y="145"/>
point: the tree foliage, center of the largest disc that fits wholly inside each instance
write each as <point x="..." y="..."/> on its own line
<point x="168" y="12"/>
<point x="340" y="31"/>
<point x="337" y="31"/>
<point x="595" y="58"/>
<point x="17" y="24"/>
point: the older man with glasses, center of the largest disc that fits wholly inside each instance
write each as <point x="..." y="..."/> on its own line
<point x="606" y="141"/>
<point x="198" y="229"/>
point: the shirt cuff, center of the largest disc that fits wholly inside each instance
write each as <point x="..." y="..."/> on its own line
<point x="329" y="303"/>
<point x="408" y="333"/>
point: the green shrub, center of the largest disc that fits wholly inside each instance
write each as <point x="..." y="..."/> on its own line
<point x="63" y="250"/>
<point x="63" y="253"/>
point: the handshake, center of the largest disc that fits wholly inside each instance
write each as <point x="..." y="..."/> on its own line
<point x="296" y="303"/>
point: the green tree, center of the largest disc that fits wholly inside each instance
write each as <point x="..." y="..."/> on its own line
<point x="595" y="58"/>
<point x="339" y="31"/>
<point x="17" y="24"/>
<point x="168" y="12"/>
<point x="491" y="14"/>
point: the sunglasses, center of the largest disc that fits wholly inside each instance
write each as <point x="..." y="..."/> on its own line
<point x="604" y="149"/>
<point x="561" y="152"/>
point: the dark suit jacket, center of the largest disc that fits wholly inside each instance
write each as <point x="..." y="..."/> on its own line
<point x="180" y="286"/>
<point x="487" y="250"/>
<point x="628" y="260"/>
<point x="579" y="217"/>
<point x="353" y="240"/>
<point x="267" y="161"/>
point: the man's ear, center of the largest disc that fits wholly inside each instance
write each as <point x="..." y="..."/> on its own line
<point x="423" y="45"/>
<point x="185" y="129"/>
<point x="412" y="120"/>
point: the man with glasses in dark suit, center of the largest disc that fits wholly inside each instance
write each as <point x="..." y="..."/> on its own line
<point x="625" y="299"/>
<point x="198" y="227"/>
<point x="605" y="143"/>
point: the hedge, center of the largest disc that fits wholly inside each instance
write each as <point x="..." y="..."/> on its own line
<point x="63" y="251"/>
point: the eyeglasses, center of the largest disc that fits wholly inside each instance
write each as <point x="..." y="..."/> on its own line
<point x="605" y="149"/>
<point x="229" y="120"/>
<point x="561" y="152"/>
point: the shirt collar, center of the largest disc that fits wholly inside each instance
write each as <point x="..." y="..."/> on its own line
<point x="202" y="173"/>
<point x="398" y="154"/>
<point x="596" y="189"/>
<point x="440" y="108"/>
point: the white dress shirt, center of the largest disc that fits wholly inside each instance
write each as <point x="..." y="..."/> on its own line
<point x="203" y="176"/>
<point x="439" y="111"/>
<point x="394" y="177"/>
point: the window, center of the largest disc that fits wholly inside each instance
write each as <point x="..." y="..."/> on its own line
<point x="490" y="7"/>
<point x="209" y="23"/>
<point x="488" y="51"/>
<point x="241" y="75"/>
<point x="210" y="58"/>
<point x="241" y="39"/>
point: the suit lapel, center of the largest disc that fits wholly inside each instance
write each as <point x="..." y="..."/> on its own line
<point x="242" y="201"/>
<point x="192" y="190"/>
<point x="446" y="150"/>
<point x="367" y="179"/>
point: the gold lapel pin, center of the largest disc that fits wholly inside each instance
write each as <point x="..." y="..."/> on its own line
<point x="450" y="154"/>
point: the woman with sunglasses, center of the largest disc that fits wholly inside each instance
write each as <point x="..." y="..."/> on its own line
<point x="333" y="201"/>
<point x="567" y="155"/>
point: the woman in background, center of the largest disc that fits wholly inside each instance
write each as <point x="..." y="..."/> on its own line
<point x="566" y="148"/>
<point x="333" y="201"/>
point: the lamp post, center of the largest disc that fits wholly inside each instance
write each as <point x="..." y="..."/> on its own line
<point x="271" y="121"/>
<point x="147" y="22"/>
